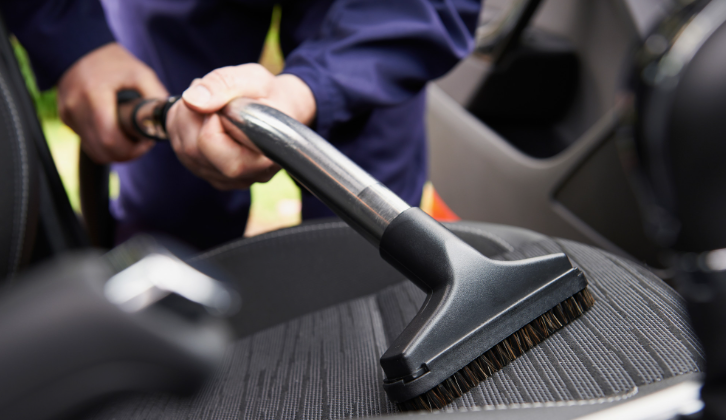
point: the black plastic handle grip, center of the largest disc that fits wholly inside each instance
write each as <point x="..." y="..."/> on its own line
<point x="143" y="118"/>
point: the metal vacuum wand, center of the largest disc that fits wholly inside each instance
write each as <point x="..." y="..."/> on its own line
<point x="363" y="202"/>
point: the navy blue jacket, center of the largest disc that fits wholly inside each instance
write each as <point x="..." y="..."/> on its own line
<point x="56" y="33"/>
<point x="366" y="62"/>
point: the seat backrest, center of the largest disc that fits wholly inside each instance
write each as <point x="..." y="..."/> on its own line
<point x="36" y="218"/>
<point x="18" y="167"/>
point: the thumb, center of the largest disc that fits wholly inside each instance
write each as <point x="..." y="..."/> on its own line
<point x="213" y="91"/>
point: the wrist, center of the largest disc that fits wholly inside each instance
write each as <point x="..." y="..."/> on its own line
<point x="299" y="98"/>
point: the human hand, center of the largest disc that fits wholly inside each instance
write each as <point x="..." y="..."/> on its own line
<point x="199" y="139"/>
<point x="87" y="101"/>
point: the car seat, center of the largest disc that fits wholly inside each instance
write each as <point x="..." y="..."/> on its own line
<point x="320" y="307"/>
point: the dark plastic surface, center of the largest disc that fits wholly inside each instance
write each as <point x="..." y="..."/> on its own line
<point x="698" y="149"/>
<point x="473" y="302"/>
<point x="674" y="130"/>
<point x="705" y="294"/>
<point x="127" y="95"/>
<point x="94" y="191"/>
<point x="94" y="178"/>
<point x="329" y="262"/>
<point x="513" y="39"/>
<point x="63" y="345"/>
<point x="51" y="226"/>
<point x="528" y="91"/>
<point x="673" y="134"/>
<point x="131" y="105"/>
<point x="677" y="125"/>
<point x="598" y="193"/>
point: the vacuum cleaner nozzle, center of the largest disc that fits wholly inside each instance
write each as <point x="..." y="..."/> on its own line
<point x="479" y="314"/>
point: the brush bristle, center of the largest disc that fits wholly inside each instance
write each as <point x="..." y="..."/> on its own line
<point x="501" y="354"/>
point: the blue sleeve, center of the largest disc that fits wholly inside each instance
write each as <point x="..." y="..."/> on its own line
<point x="377" y="53"/>
<point x="56" y="33"/>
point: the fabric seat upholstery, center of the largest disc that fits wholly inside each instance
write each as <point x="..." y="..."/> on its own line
<point x="320" y="359"/>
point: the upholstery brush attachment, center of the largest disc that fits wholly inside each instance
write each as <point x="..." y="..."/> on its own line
<point x="478" y="316"/>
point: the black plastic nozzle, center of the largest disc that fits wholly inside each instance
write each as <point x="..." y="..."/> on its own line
<point x="472" y="302"/>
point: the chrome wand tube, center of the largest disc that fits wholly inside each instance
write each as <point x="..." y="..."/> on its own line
<point x="359" y="199"/>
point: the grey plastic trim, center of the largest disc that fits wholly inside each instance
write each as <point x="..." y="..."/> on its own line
<point x="482" y="177"/>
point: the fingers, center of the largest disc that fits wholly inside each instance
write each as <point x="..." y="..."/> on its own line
<point x="233" y="160"/>
<point x="87" y="101"/>
<point x="202" y="145"/>
<point x="218" y="151"/>
<point x="105" y="133"/>
<point x="184" y="128"/>
<point x="97" y="126"/>
<point x="217" y="88"/>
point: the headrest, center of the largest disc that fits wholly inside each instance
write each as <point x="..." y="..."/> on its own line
<point x="675" y="121"/>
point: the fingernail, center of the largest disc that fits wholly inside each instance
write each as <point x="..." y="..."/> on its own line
<point x="197" y="95"/>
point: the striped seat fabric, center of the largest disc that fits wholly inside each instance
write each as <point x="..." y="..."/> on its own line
<point x="324" y="364"/>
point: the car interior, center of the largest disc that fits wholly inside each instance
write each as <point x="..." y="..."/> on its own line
<point x="496" y="157"/>
<point x="525" y="146"/>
